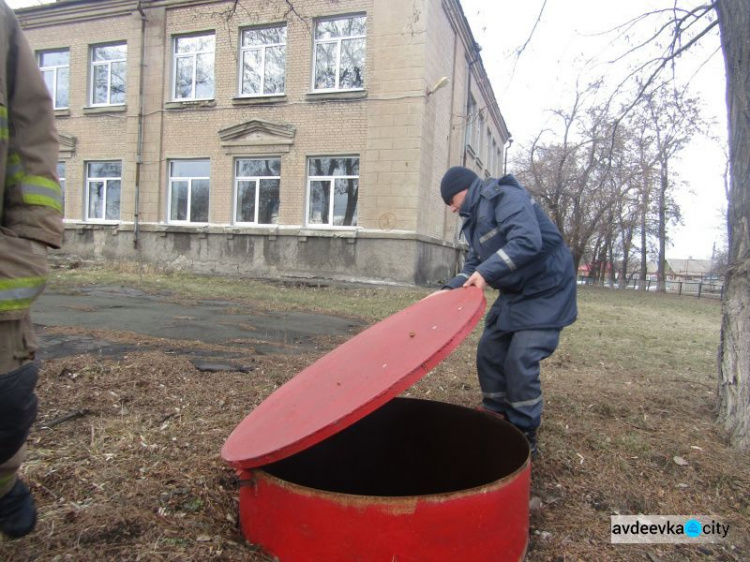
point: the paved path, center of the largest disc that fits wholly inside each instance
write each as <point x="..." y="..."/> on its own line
<point x="122" y="309"/>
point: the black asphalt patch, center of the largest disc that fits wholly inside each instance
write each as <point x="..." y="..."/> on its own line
<point x="127" y="310"/>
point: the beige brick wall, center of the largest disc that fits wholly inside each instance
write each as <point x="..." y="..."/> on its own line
<point x="405" y="140"/>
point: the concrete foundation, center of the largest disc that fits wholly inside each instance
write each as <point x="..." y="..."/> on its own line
<point x="376" y="256"/>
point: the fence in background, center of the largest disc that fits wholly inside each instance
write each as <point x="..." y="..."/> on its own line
<point x="700" y="289"/>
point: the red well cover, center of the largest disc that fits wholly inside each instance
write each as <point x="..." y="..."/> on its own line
<point x="355" y="379"/>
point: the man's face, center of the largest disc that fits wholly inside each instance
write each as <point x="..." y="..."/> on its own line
<point x="458" y="200"/>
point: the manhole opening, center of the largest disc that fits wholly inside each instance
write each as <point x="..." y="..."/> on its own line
<point x="409" y="447"/>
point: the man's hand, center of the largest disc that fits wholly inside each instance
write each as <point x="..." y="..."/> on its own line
<point x="476" y="280"/>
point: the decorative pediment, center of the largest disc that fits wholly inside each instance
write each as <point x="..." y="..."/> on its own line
<point x="256" y="134"/>
<point x="67" y="145"/>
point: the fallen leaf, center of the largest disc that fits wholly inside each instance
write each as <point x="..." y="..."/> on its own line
<point x="680" y="461"/>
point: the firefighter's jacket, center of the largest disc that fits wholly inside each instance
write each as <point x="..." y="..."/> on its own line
<point x="520" y="252"/>
<point x="30" y="194"/>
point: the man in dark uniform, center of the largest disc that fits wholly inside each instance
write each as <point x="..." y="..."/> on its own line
<point x="514" y="248"/>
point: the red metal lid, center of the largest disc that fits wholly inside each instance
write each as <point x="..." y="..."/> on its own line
<point x="355" y="379"/>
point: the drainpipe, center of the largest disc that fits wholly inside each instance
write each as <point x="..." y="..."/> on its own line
<point x="139" y="149"/>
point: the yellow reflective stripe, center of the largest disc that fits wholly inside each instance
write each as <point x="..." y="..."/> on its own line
<point x="38" y="190"/>
<point x="14" y="170"/>
<point x="18" y="294"/>
<point x="4" y="131"/>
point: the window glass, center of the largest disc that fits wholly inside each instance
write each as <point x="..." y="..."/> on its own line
<point x="199" y="201"/>
<point x="55" y="69"/>
<point x="191" y="168"/>
<point x="189" y="190"/>
<point x="319" y="194"/>
<point x="257" y="188"/>
<point x="108" y="67"/>
<point x="268" y="201"/>
<point x="103" y="190"/>
<point x="179" y="200"/>
<point x="333" y="191"/>
<point x="194" y="67"/>
<point x="263" y="64"/>
<point x="339" y="53"/>
<point x="246" y="201"/>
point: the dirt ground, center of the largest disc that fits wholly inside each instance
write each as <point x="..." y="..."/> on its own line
<point x="139" y="390"/>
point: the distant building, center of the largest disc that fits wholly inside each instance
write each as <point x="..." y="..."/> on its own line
<point x="266" y="138"/>
<point x="688" y="269"/>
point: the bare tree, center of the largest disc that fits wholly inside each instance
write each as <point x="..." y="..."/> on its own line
<point x="572" y="174"/>
<point x="674" y="119"/>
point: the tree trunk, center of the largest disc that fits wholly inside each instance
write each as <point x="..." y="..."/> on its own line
<point x="644" y="237"/>
<point x="734" y="351"/>
<point x="661" y="275"/>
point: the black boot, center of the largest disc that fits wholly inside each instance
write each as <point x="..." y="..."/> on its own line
<point x="17" y="512"/>
<point x="531" y="438"/>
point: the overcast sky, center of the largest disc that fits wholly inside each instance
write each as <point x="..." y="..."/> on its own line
<point x="568" y="43"/>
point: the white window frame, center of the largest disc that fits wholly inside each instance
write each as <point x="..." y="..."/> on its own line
<point x="257" y="180"/>
<point x="190" y="180"/>
<point x="338" y="41"/>
<point x="331" y="196"/>
<point x="263" y="48"/>
<point x="108" y="64"/>
<point x="55" y="69"/>
<point x="194" y="56"/>
<point x="106" y="180"/>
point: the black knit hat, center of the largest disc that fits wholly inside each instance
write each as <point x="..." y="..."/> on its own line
<point x="455" y="180"/>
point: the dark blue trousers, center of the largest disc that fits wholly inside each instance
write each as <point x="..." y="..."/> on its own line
<point x="508" y="368"/>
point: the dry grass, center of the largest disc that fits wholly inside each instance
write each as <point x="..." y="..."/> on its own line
<point x="138" y="475"/>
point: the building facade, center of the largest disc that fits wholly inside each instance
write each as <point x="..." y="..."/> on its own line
<point x="264" y="137"/>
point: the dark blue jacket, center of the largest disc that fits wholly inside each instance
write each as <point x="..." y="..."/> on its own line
<point x="520" y="252"/>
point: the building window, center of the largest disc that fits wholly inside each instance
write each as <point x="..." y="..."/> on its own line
<point x="263" y="61"/>
<point x="194" y="67"/>
<point x="189" y="182"/>
<point x="332" y="189"/>
<point x="339" y="54"/>
<point x="61" y="180"/>
<point x="55" y="67"/>
<point x="103" y="186"/>
<point x="256" y="186"/>
<point x="108" y="65"/>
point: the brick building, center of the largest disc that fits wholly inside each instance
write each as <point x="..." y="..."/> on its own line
<point x="265" y="137"/>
